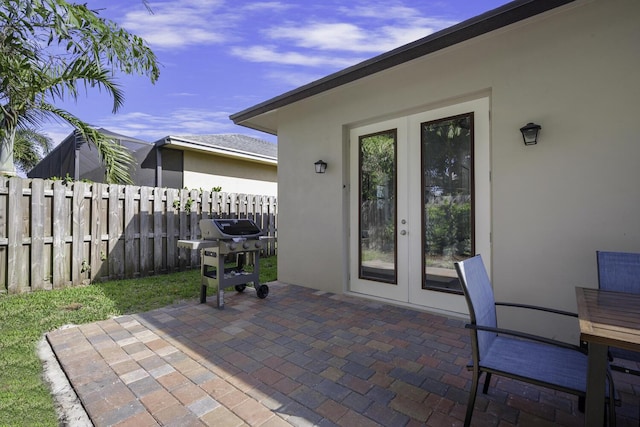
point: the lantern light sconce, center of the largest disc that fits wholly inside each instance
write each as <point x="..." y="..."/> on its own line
<point x="530" y="133"/>
<point x="321" y="166"/>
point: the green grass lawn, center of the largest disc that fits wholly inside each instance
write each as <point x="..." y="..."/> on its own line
<point x="25" y="400"/>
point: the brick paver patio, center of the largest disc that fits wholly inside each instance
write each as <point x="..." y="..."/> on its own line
<point x="299" y="357"/>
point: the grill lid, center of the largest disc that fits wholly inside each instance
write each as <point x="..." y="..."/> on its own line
<point x="228" y="228"/>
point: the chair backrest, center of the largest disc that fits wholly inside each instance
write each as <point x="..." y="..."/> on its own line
<point x="619" y="271"/>
<point x="479" y="295"/>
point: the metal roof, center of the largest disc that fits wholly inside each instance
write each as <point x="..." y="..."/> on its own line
<point x="502" y="16"/>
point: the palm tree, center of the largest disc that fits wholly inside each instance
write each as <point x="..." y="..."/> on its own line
<point x="28" y="105"/>
<point x="49" y="50"/>
<point x="29" y="147"/>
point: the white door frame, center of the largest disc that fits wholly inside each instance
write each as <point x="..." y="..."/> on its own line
<point x="409" y="246"/>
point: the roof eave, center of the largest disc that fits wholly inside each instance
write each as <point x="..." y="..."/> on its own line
<point x="492" y="20"/>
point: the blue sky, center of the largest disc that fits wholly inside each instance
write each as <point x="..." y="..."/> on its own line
<point x="219" y="57"/>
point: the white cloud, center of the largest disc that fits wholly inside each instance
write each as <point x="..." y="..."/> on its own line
<point x="178" y="122"/>
<point x="270" y="6"/>
<point x="330" y="38"/>
<point x="182" y="94"/>
<point x="380" y="11"/>
<point x="57" y="131"/>
<point x="362" y="28"/>
<point x="150" y="127"/>
<point x="292" y="79"/>
<point x="271" y="55"/>
<point x="181" y="23"/>
<point x="323" y="36"/>
<point x="349" y="37"/>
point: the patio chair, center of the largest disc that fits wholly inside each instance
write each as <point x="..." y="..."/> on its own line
<point x="521" y="356"/>
<point x="620" y="271"/>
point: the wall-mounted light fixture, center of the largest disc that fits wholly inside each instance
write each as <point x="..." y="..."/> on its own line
<point x="530" y="133"/>
<point x="321" y="166"/>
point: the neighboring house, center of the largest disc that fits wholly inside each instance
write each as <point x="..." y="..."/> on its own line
<point x="236" y="163"/>
<point x="445" y="113"/>
<point x="79" y="160"/>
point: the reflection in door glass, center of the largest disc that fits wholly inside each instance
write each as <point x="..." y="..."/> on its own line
<point x="447" y="173"/>
<point x="377" y="193"/>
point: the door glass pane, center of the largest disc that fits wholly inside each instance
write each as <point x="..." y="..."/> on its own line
<point x="377" y="165"/>
<point x="447" y="174"/>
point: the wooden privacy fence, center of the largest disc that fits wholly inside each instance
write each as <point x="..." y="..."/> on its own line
<point x="55" y="234"/>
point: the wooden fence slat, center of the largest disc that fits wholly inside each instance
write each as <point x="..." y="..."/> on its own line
<point x="38" y="263"/>
<point x="183" y="227"/>
<point x="273" y="225"/>
<point x="194" y="228"/>
<point x="116" y="243"/>
<point x="77" y="232"/>
<point x="229" y="205"/>
<point x="144" y="231"/>
<point x="216" y="205"/>
<point x="95" y="248"/>
<point x="205" y="204"/>
<point x="16" y="279"/>
<point x="4" y="219"/>
<point x="172" y="250"/>
<point x="157" y="229"/>
<point x="60" y="217"/>
<point x="130" y="255"/>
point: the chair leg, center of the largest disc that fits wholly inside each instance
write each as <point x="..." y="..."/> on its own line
<point x="612" y="401"/>
<point x="487" y="381"/>
<point x="472" y="396"/>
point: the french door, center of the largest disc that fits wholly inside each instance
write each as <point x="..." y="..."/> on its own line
<point x="420" y="200"/>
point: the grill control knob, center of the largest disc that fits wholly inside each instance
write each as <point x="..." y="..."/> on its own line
<point x="232" y="246"/>
<point x="245" y="245"/>
<point x="258" y="245"/>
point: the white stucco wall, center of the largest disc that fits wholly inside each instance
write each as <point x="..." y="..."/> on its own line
<point x="233" y="175"/>
<point x="573" y="71"/>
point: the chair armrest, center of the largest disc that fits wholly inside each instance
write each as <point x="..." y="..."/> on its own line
<point x="526" y="336"/>
<point x="535" y="307"/>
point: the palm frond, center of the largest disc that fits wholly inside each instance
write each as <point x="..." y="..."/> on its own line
<point x="91" y="74"/>
<point x="116" y="158"/>
<point x="29" y="147"/>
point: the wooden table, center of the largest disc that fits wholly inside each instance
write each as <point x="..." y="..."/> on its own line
<point x="606" y="319"/>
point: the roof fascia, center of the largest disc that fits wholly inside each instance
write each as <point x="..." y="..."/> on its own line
<point x="500" y="17"/>
<point x="189" y="145"/>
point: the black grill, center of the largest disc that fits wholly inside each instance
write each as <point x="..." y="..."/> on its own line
<point x="227" y="246"/>
<point x="229" y="228"/>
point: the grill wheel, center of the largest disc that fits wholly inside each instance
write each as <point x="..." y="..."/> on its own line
<point x="262" y="291"/>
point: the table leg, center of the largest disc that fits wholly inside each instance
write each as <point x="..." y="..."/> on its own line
<point x="596" y="384"/>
